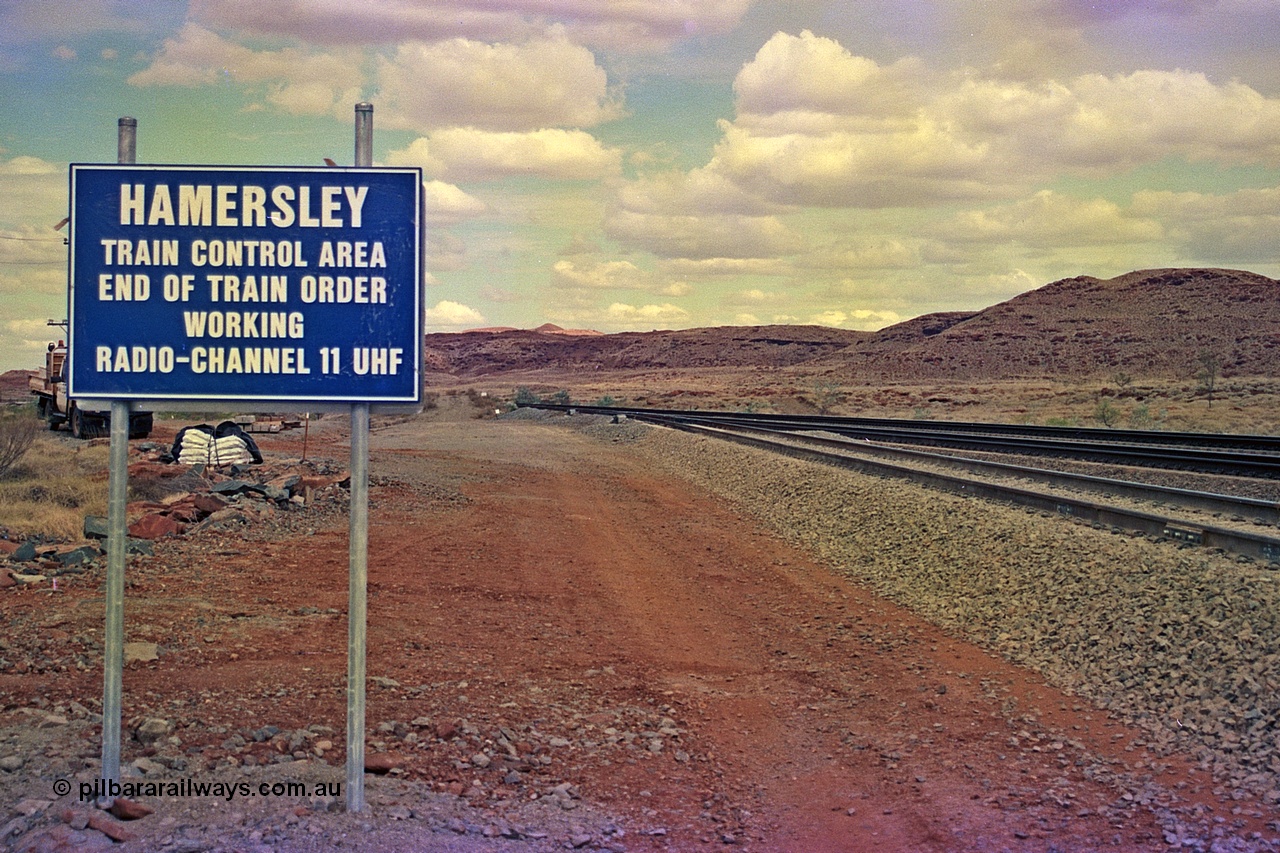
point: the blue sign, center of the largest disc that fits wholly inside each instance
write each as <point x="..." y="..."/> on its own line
<point x="235" y="283"/>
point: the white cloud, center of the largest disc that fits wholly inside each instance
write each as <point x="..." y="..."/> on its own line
<point x="606" y="275"/>
<point x="622" y="315"/>
<point x="294" y="80"/>
<point x="863" y="253"/>
<point x="809" y="78"/>
<point x="453" y="315"/>
<point x="703" y="237"/>
<point x="698" y="216"/>
<point x="29" y="330"/>
<point x="35" y="197"/>
<point x="726" y="267"/>
<point x="28" y="166"/>
<point x="468" y="154"/>
<point x="1232" y="228"/>
<point x="1048" y="219"/>
<point x="637" y="25"/>
<point x="756" y="296"/>
<point x="819" y="126"/>
<point x="447" y="205"/>
<point x="39" y="280"/>
<point x="698" y="192"/>
<point x="31" y="247"/>
<point x="584" y="274"/>
<point x="862" y="319"/>
<point x="1188" y="207"/>
<point x="549" y="82"/>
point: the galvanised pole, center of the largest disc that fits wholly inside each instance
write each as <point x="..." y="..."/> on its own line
<point x="358" y="582"/>
<point x="117" y="538"/>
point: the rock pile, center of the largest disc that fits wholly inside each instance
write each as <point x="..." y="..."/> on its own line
<point x="185" y="500"/>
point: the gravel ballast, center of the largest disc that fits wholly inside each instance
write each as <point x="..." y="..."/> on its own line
<point x="1181" y="640"/>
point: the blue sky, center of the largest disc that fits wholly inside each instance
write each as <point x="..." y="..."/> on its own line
<point x="678" y="163"/>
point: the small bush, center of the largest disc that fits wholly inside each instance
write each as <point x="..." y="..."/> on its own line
<point x="1141" y="418"/>
<point x="16" y="435"/>
<point x="1106" y="414"/>
<point x="55" y="487"/>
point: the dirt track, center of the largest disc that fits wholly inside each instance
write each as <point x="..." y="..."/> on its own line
<point x="546" y="608"/>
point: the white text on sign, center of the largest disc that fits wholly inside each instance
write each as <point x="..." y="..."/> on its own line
<point x="231" y="206"/>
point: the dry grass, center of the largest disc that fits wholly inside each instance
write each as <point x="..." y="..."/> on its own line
<point x="50" y="490"/>
<point x="17" y="432"/>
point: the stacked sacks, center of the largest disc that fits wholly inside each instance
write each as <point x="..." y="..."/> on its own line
<point x="225" y="444"/>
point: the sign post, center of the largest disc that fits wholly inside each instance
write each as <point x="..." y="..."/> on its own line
<point x="117" y="536"/>
<point x="215" y="287"/>
<point x="358" y="559"/>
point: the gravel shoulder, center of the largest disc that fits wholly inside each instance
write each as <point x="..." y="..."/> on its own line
<point x="1181" y="642"/>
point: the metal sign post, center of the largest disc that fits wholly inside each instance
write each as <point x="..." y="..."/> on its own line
<point x="117" y="540"/>
<point x="358" y="558"/>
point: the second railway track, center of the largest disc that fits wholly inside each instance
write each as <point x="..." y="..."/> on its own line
<point x="990" y="479"/>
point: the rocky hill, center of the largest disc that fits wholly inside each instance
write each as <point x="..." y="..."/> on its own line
<point x="13" y="386"/>
<point x="1150" y="324"/>
<point x="480" y="353"/>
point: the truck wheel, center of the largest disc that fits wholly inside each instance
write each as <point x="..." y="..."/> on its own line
<point x="79" y="427"/>
<point x="140" y="426"/>
<point x="42" y="412"/>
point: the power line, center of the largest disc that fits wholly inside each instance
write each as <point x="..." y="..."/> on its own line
<point x="33" y="239"/>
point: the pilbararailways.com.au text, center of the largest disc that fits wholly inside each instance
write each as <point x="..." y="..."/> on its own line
<point x="191" y="788"/>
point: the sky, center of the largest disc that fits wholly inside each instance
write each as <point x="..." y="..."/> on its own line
<point x="663" y="164"/>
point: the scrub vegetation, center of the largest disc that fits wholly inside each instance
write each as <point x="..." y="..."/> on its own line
<point x="49" y="487"/>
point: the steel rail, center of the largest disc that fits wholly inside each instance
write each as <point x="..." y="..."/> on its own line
<point x="1145" y="455"/>
<point x="1151" y="524"/>
<point x="1218" y="459"/>
<point x="1219" y="441"/>
<point x="1264" y="511"/>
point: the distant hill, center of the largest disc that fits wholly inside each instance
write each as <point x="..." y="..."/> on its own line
<point x="13" y="386"/>
<point x="1150" y="324"/>
<point x="472" y="354"/>
<point x="545" y="329"/>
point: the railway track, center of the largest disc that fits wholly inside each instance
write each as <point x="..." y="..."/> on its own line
<point x="1059" y="492"/>
<point x="1240" y="455"/>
